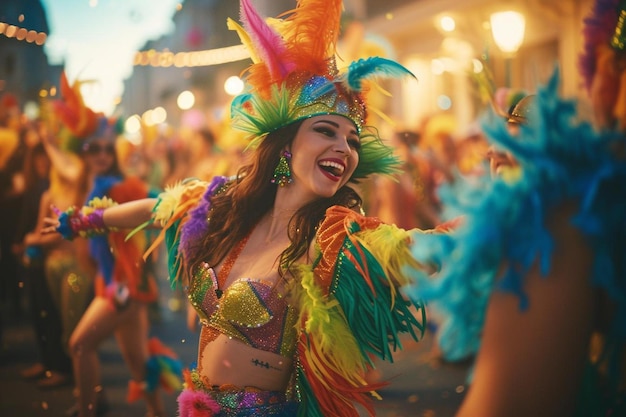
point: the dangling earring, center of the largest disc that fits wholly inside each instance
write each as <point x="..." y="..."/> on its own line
<point x="282" y="172"/>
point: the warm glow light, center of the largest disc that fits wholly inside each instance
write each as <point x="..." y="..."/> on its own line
<point x="185" y="100"/>
<point x="207" y="57"/>
<point x="31" y="110"/>
<point x="146" y="118"/>
<point x="132" y="124"/>
<point x="437" y="66"/>
<point x="132" y="129"/>
<point x="159" y="115"/>
<point x="508" y="30"/>
<point x="447" y="23"/>
<point x="233" y="85"/>
<point x="22" y="34"/>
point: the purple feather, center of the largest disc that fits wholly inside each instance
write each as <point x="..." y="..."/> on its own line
<point x="598" y="29"/>
<point x="197" y="226"/>
<point x="268" y="44"/>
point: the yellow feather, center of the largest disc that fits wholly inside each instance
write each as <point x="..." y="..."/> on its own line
<point x="172" y="197"/>
<point x="325" y="324"/>
<point x="244" y="37"/>
<point x="390" y="246"/>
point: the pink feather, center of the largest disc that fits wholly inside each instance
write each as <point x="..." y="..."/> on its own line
<point x="268" y="44"/>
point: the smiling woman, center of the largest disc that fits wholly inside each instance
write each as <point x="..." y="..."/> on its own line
<point x="326" y="145"/>
<point x="296" y="290"/>
<point x="97" y="40"/>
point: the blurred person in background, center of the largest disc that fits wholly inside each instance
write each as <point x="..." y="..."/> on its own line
<point x="54" y="365"/>
<point x="123" y="288"/>
<point x="436" y="159"/>
<point x="534" y="281"/>
<point x="395" y="199"/>
<point x="15" y="142"/>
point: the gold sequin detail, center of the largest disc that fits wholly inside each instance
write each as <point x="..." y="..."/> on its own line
<point x="242" y="306"/>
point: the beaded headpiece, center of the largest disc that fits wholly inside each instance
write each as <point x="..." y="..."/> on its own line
<point x="81" y="124"/>
<point x="294" y="76"/>
<point x="520" y="113"/>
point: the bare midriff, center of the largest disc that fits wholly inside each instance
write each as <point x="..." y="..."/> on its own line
<point x="227" y="361"/>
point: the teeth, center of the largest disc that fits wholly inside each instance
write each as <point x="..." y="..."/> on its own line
<point x="337" y="167"/>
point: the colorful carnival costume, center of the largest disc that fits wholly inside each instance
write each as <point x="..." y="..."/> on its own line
<point x="346" y="295"/>
<point x="504" y="222"/>
<point x="122" y="274"/>
<point x="342" y="309"/>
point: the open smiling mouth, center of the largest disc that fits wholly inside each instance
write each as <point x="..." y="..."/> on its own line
<point x="332" y="169"/>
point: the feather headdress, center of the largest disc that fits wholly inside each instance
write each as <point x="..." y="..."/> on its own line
<point x="294" y="76"/>
<point x="79" y="121"/>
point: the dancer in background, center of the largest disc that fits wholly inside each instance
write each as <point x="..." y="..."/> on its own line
<point x="123" y="289"/>
<point x="295" y="288"/>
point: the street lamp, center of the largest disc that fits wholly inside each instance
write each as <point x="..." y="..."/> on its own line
<point x="508" y="29"/>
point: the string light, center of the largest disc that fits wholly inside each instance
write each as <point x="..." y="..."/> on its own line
<point x="191" y="59"/>
<point x="22" y="34"/>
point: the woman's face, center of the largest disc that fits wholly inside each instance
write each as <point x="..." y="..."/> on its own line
<point x="100" y="156"/>
<point x="31" y="137"/>
<point x="324" y="155"/>
<point x="41" y="163"/>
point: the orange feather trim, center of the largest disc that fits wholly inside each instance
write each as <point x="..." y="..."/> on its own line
<point x="310" y="32"/>
<point x="332" y="233"/>
<point x="156" y="347"/>
<point x="128" y="252"/>
<point x="336" y="391"/>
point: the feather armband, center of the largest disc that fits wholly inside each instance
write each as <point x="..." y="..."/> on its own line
<point x="86" y="222"/>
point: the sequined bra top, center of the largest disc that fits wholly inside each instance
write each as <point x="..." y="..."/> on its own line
<point x="248" y="310"/>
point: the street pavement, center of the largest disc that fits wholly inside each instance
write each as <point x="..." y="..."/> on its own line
<point x="420" y="385"/>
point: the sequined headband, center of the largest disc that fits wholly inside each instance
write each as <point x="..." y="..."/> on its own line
<point x="302" y="95"/>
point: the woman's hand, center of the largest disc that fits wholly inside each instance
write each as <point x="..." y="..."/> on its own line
<point x="50" y="225"/>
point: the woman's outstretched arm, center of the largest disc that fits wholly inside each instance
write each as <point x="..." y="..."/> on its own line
<point x="129" y="215"/>
<point x="123" y="216"/>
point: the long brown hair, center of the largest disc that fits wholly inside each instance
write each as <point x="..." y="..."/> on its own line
<point x="236" y="211"/>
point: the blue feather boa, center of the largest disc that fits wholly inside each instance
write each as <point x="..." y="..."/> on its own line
<point x="561" y="158"/>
